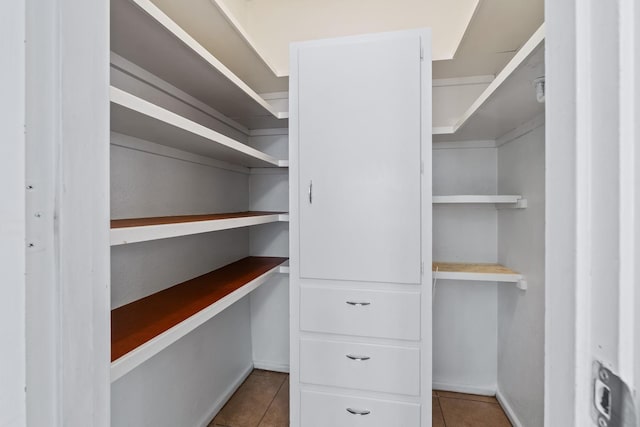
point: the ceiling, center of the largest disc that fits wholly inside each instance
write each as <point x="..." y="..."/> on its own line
<point x="270" y="25"/>
<point x="251" y="37"/>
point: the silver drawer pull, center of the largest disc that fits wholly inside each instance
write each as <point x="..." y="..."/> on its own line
<point x="362" y="303"/>
<point x="358" y="411"/>
<point x="357" y="357"/>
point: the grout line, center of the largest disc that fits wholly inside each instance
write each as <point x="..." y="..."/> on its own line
<point x="272" y="400"/>
<point x="444" y="420"/>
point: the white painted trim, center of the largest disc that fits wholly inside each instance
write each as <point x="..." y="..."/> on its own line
<point x="270" y="366"/>
<point x="126" y="235"/>
<point x="442" y="130"/>
<point x="274" y="95"/>
<point x="128" y="67"/>
<point x="511" y="414"/>
<point x="269" y="132"/>
<point x="479" y="277"/>
<point x="269" y="171"/>
<point x="510" y="199"/>
<point x="284" y="267"/>
<point x="487" y="390"/>
<point x="190" y="43"/>
<point x="464" y="81"/>
<point x="140" y="106"/>
<point x="521" y="130"/>
<point x="142" y="145"/>
<point x="448" y="145"/>
<point x="139" y="355"/>
<point x="219" y="403"/>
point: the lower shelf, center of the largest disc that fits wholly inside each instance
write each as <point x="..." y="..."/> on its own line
<point x="477" y="272"/>
<point x="143" y="328"/>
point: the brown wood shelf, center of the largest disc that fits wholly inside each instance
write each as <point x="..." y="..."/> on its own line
<point x="137" y="323"/>
<point x="162" y="220"/>
<point x="479" y="272"/>
<point x="456" y="267"/>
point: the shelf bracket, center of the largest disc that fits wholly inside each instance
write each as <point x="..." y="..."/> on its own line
<point x="520" y="204"/>
<point x="522" y="284"/>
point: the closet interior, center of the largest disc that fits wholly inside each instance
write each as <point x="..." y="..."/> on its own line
<point x="200" y="221"/>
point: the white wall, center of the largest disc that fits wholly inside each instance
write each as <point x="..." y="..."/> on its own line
<point x="12" y="215"/>
<point x="521" y="246"/>
<point x="269" y="190"/>
<point x="464" y="313"/>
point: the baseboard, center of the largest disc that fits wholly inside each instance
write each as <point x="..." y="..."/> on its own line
<point x="270" y="366"/>
<point x="504" y="402"/>
<point x="220" y="402"/>
<point x="465" y="388"/>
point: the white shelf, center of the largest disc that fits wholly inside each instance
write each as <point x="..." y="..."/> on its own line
<point x="147" y="321"/>
<point x="145" y="229"/>
<point x="136" y="117"/>
<point x="144" y="35"/>
<point x="515" y="200"/>
<point x="477" y="272"/>
<point x="284" y="268"/>
<point x="507" y="103"/>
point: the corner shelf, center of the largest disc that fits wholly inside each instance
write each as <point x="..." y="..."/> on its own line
<point x="143" y="328"/>
<point x="515" y="201"/>
<point x="146" y="36"/>
<point x="493" y="114"/>
<point x="136" y="117"/>
<point x="125" y="231"/>
<point x="477" y="272"/>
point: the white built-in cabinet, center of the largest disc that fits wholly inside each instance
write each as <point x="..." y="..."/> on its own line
<point x="360" y="156"/>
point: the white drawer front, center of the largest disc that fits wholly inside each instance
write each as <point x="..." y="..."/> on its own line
<point x="380" y="314"/>
<point x="388" y="369"/>
<point x="331" y="410"/>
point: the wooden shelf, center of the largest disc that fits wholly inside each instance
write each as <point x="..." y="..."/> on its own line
<point x="136" y="117"/>
<point x="144" y="35"/>
<point x="124" y="231"/>
<point x="143" y="328"/>
<point x="507" y="103"/>
<point x="481" y="199"/>
<point x="477" y="272"/>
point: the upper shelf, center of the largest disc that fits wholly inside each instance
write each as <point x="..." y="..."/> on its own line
<point x="145" y="327"/>
<point x="136" y="117"/>
<point x="144" y="35"/>
<point x="477" y="272"/>
<point x="511" y="200"/>
<point x="507" y="103"/>
<point x="124" y="231"/>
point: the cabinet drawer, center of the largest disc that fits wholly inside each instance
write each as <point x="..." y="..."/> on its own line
<point x="323" y="409"/>
<point x="390" y="369"/>
<point x="380" y="314"/>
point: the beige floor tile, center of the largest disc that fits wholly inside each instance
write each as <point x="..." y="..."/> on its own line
<point x="250" y="402"/>
<point x="436" y="413"/>
<point x="278" y="413"/>
<point x="469" y="413"/>
<point x="452" y="395"/>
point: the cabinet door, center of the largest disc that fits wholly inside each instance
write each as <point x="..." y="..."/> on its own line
<point x="359" y="110"/>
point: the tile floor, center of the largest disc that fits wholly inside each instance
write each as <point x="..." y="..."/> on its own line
<point x="263" y="401"/>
